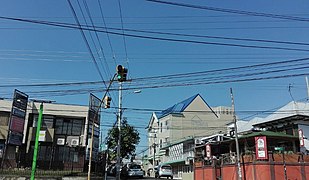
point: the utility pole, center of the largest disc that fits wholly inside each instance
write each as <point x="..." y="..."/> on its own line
<point x="119" y="132"/>
<point x="154" y="152"/>
<point x="92" y="130"/>
<point x="307" y="83"/>
<point x="236" y="137"/>
<point x="121" y="77"/>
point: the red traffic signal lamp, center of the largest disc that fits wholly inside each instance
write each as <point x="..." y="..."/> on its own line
<point x="121" y="73"/>
<point x="107" y="102"/>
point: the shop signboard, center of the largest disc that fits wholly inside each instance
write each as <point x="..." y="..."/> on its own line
<point x="208" y="151"/>
<point x="17" y="119"/>
<point x="94" y="109"/>
<point x="261" y="148"/>
<point x="301" y="138"/>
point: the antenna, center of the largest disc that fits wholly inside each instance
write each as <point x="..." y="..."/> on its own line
<point x="290" y="86"/>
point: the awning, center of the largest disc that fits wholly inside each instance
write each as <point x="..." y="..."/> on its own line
<point x="174" y="161"/>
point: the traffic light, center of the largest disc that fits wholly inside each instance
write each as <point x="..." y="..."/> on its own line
<point x="107" y="102"/>
<point x="121" y="73"/>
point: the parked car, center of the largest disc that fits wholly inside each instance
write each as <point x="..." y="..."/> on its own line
<point x="132" y="170"/>
<point x="164" y="171"/>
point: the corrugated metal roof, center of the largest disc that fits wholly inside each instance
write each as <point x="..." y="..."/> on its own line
<point x="188" y="138"/>
<point x="291" y="109"/>
<point x="267" y="134"/>
<point x="177" y="108"/>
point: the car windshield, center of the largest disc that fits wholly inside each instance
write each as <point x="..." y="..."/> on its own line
<point x="135" y="166"/>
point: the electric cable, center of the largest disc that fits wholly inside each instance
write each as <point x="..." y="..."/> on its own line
<point x="65" y="25"/>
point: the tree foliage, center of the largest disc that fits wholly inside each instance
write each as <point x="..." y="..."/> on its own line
<point x="128" y="141"/>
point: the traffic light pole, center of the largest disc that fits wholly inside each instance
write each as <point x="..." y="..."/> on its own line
<point x="92" y="130"/>
<point x="119" y="132"/>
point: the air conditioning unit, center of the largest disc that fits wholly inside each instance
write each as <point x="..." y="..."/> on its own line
<point x="74" y="142"/>
<point x="60" y="141"/>
<point x="197" y="141"/>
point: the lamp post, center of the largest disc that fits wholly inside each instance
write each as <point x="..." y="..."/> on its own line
<point x="119" y="129"/>
<point x="92" y="130"/>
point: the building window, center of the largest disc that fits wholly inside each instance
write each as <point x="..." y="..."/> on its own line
<point x="44" y="151"/>
<point x="77" y="127"/>
<point x="71" y="127"/>
<point x="160" y="127"/>
<point x="4" y="118"/>
<point x="48" y="121"/>
<point x="59" y="126"/>
<point x="160" y="143"/>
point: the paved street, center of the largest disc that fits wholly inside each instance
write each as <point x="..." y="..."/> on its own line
<point x="112" y="178"/>
<point x="66" y="178"/>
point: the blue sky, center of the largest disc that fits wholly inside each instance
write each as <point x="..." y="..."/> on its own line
<point x="36" y="54"/>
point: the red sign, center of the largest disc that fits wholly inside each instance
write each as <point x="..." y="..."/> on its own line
<point x="261" y="147"/>
<point x="301" y="138"/>
<point x="208" y="151"/>
<point x="17" y="124"/>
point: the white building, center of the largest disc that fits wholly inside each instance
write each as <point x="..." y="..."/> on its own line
<point x="172" y="132"/>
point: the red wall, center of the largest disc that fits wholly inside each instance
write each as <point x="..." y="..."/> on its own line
<point x="257" y="171"/>
<point x="204" y="173"/>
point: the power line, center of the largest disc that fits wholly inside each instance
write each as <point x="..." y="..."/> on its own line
<point x="123" y="36"/>
<point x="276" y="16"/>
<point x="93" y="42"/>
<point x="66" y="25"/>
<point x="107" y="34"/>
<point x="98" y="39"/>
<point x="86" y="41"/>
<point x="195" y="78"/>
<point x="224" y="69"/>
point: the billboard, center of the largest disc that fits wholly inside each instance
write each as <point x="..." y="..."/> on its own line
<point x="17" y="118"/>
<point x="94" y="109"/>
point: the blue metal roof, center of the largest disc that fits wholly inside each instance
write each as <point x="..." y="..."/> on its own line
<point x="177" y="108"/>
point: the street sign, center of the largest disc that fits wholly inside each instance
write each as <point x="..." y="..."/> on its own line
<point x="279" y="148"/>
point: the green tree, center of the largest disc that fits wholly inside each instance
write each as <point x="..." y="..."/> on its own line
<point x="129" y="139"/>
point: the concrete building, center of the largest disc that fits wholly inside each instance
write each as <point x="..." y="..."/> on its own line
<point x="63" y="137"/>
<point x="172" y="132"/>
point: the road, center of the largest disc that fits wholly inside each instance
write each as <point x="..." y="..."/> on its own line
<point x="113" y="178"/>
<point x="68" y="178"/>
